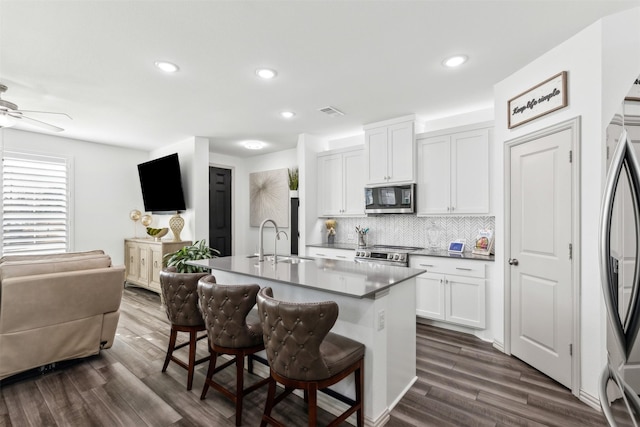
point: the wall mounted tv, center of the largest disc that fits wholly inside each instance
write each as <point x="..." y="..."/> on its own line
<point x="161" y="184"/>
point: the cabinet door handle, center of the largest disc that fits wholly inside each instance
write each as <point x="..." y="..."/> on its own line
<point x="319" y="254"/>
<point x="142" y="261"/>
<point x="448" y="208"/>
<point x="452" y="208"/>
<point x="341" y="256"/>
<point x="426" y="265"/>
<point x="463" y="269"/>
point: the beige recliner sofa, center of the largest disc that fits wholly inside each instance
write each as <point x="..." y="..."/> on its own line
<point x="56" y="307"/>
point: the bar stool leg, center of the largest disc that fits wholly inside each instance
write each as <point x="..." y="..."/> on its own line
<point x="172" y="345"/>
<point x="359" y="379"/>
<point x="313" y="404"/>
<point x="210" y="371"/>
<point x="271" y="396"/>
<point x="239" y="388"/>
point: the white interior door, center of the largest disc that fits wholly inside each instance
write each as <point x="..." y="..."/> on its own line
<point x="541" y="265"/>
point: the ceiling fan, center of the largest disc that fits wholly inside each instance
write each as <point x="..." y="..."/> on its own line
<point x="10" y="115"/>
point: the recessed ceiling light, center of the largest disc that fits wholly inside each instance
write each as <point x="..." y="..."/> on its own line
<point x="167" y="67"/>
<point x="254" y="145"/>
<point x="266" y="73"/>
<point x="287" y="114"/>
<point x="455" y="61"/>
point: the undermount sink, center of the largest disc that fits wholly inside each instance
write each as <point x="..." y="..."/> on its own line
<point x="287" y="259"/>
<point x="293" y="259"/>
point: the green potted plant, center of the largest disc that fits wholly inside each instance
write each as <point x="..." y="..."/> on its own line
<point x="293" y="182"/>
<point x="179" y="258"/>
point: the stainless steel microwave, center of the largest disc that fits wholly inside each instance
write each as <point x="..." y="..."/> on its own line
<point x="399" y="199"/>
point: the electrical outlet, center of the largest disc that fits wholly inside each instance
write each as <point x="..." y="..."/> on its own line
<point x="381" y="320"/>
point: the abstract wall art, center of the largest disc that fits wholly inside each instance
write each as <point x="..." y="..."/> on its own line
<point x="269" y="197"/>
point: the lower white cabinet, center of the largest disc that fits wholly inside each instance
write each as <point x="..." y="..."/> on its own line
<point x="331" y="253"/>
<point x="451" y="290"/>
<point x="143" y="261"/>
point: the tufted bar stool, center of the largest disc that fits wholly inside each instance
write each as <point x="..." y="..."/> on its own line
<point x="179" y="292"/>
<point x="304" y="354"/>
<point x="234" y="329"/>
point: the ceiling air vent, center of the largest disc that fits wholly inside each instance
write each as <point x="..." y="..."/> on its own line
<point x="332" y="111"/>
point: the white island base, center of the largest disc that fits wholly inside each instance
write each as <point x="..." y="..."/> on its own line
<point x="385" y="323"/>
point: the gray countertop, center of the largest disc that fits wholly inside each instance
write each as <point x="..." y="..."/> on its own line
<point x="358" y="280"/>
<point x="423" y="252"/>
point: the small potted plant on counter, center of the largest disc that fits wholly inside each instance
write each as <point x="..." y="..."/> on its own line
<point x="293" y="182"/>
<point x="199" y="250"/>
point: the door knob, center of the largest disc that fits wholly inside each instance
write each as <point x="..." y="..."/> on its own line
<point x="513" y="261"/>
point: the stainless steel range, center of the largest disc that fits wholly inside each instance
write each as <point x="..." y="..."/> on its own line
<point x="384" y="254"/>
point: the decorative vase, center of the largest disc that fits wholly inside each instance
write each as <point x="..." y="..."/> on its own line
<point x="176" y="223"/>
<point x="293" y="194"/>
<point x="331" y="239"/>
<point x="361" y="241"/>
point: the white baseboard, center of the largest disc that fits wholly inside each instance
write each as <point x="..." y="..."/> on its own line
<point x="590" y="400"/>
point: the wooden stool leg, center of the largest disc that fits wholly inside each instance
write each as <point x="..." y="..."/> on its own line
<point x="359" y="388"/>
<point x="172" y="344"/>
<point x="210" y="371"/>
<point x="193" y="340"/>
<point x="313" y="404"/>
<point x="239" y="387"/>
<point x="271" y="395"/>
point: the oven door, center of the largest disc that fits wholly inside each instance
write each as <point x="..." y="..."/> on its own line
<point x="392" y="199"/>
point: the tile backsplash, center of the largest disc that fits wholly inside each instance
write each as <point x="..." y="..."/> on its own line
<point x="410" y="230"/>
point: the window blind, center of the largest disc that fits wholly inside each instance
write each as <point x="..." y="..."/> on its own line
<point x="35" y="204"/>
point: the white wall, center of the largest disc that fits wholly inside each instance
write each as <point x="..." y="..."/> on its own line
<point x="602" y="62"/>
<point x="280" y="160"/>
<point x="194" y="168"/>
<point x="245" y="237"/>
<point x="239" y="203"/>
<point x="106" y="187"/>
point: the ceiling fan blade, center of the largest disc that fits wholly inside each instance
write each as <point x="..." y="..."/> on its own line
<point x="38" y="123"/>
<point x="44" y="112"/>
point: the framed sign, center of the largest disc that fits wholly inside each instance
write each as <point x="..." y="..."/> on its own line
<point x="634" y="93"/>
<point x="548" y="96"/>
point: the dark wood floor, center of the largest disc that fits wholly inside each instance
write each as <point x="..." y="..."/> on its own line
<point x="462" y="381"/>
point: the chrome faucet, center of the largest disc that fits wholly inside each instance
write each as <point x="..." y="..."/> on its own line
<point x="260" y="239"/>
<point x="275" y="244"/>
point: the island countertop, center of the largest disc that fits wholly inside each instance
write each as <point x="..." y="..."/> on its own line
<point x="349" y="278"/>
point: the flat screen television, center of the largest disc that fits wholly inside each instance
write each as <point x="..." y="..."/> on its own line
<point x="161" y="184"/>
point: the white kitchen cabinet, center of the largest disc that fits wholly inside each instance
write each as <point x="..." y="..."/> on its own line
<point x="453" y="172"/>
<point x="451" y="290"/>
<point x="390" y="151"/>
<point x="341" y="182"/>
<point x="331" y="253"/>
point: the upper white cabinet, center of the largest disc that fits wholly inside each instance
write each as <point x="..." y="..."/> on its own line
<point x="453" y="171"/>
<point x="341" y="182"/>
<point x="390" y="151"/>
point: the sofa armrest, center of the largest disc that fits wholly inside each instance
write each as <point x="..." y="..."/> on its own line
<point x="28" y="302"/>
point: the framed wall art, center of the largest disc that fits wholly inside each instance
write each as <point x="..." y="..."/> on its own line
<point x="269" y="197"/>
<point x="634" y="93"/>
<point x="543" y="98"/>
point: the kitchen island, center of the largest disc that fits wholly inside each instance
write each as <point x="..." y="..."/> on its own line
<point x="377" y="307"/>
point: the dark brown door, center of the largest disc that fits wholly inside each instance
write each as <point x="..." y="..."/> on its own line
<point x="220" y="210"/>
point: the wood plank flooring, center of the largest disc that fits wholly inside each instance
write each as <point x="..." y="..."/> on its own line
<point x="462" y="381"/>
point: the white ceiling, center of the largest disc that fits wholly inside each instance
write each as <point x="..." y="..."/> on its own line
<point x="373" y="60"/>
